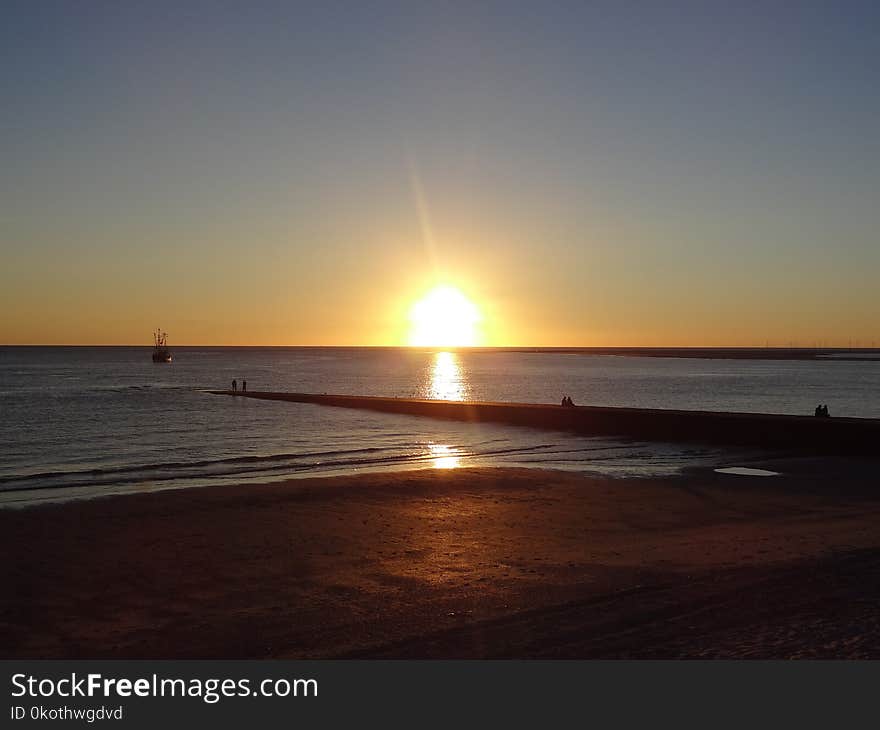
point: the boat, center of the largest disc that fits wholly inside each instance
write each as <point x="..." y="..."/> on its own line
<point x="161" y="353"/>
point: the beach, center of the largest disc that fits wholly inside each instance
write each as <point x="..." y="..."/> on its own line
<point x="457" y="563"/>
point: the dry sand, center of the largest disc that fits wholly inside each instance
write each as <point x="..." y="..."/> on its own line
<point x="458" y="563"/>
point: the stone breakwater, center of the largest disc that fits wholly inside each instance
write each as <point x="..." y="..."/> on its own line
<point x="859" y="436"/>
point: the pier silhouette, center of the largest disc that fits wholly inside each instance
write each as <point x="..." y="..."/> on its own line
<point x="858" y="436"/>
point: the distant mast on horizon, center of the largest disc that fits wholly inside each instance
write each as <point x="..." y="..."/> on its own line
<point x="161" y="353"/>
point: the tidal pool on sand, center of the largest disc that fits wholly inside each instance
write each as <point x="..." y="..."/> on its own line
<point x="746" y="471"/>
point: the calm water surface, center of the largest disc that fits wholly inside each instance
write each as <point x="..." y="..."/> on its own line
<point x="87" y="421"/>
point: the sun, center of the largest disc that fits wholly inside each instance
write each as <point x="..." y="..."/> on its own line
<point x="444" y="317"/>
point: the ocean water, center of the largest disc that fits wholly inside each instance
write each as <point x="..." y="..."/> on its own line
<point x="81" y="422"/>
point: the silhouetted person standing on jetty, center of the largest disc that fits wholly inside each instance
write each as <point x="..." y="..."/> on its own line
<point x="234" y="386"/>
<point x="244" y="386"/>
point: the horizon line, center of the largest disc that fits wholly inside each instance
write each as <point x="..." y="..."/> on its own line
<point x="848" y="348"/>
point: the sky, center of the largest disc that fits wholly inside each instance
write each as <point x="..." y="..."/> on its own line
<point x="587" y="174"/>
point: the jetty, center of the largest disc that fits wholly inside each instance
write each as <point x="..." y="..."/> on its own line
<point x="858" y="436"/>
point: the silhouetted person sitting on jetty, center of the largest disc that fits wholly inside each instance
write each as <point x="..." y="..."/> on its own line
<point x="567" y="402"/>
<point x="234" y="386"/>
<point x="822" y="411"/>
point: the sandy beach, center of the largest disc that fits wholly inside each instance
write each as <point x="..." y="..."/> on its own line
<point x="501" y="563"/>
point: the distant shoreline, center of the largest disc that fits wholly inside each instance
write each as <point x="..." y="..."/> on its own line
<point x="826" y="354"/>
<point x="715" y="353"/>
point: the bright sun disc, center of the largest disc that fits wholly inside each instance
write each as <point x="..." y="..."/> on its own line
<point x="444" y="318"/>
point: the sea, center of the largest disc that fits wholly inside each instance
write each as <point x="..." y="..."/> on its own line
<point x="82" y="422"/>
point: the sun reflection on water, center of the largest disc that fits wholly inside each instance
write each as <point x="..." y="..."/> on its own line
<point x="445" y="381"/>
<point x="444" y="457"/>
<point x="447" y="378"/>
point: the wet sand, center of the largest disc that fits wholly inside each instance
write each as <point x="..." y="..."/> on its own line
<point x="457" y="563"/>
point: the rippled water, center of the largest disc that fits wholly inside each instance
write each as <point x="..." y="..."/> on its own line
<point x="84" y="421"/>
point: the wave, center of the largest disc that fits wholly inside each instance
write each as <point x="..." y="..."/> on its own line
<point x="171" y="465"/>
<point x="404" y="455"/>
<point x="253" y="467"/>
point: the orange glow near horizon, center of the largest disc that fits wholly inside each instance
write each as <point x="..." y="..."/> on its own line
<point x="444" y="317"/>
